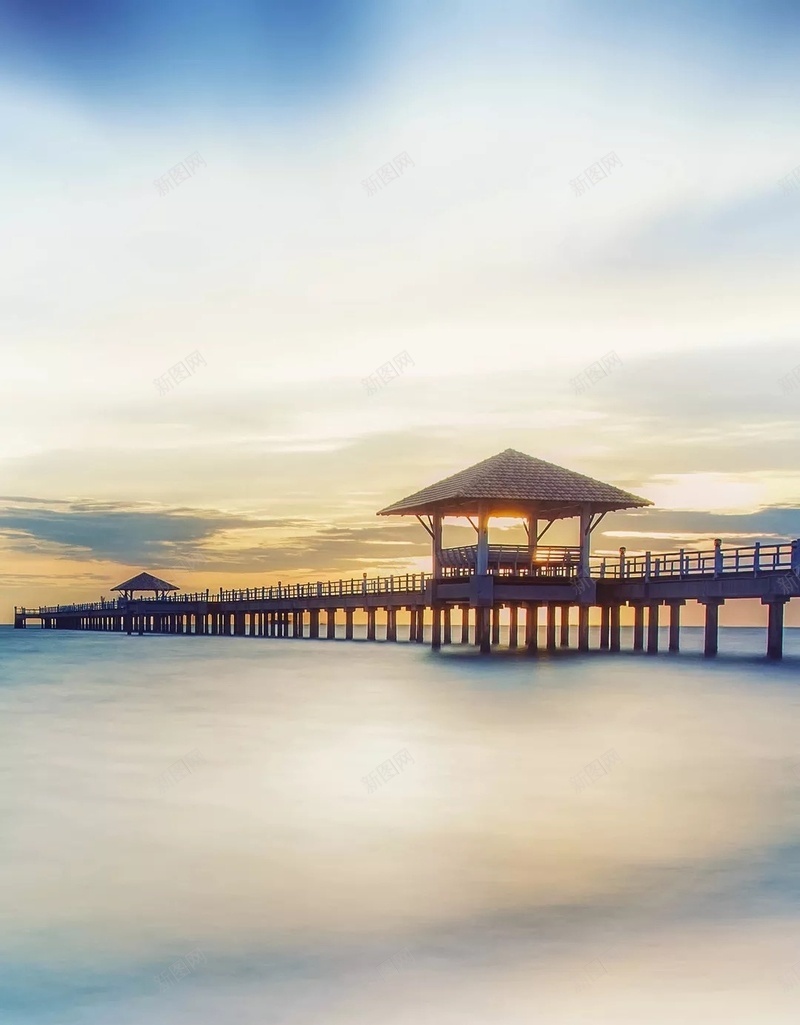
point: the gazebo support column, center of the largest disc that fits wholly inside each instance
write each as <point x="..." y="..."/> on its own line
<point x="482" y="555"/>
<point x="585" y="542"/>
<point x="533" y="533"/>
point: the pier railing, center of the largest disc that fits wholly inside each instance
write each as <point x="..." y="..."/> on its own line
<point x="716" y="562"/>
<point x="684" y="564"/>
<point x="405" y="583"/>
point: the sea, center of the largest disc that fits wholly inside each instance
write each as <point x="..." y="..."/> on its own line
<point x="259" y="830"/>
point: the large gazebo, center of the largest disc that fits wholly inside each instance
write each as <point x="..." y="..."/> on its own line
<point x="512" y="484"/>
<point x="146" y="583"/>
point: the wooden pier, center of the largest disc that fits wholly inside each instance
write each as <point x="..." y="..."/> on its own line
<point x="535" y="582"/>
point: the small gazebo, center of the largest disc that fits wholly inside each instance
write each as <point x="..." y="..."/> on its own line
<point x="513" y="484"/>
<point x="144" y="582"/>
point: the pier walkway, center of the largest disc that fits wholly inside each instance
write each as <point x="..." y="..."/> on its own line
<point x="646" y="582"/>
<point x="479" y="581"/>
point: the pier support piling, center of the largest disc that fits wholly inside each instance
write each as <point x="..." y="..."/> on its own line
<point x="436" y="628"/>
<point x="532" y="627"/>
<point x="638" y="627"/>
<point x="711" y="640"/>
<point x="482" y="633"/>
<point x="513" y="626"/>
<point x="652" y="628"/>
<point x="564" y="638"/>
<point x="616" y="625"/>
<point x="550" y="627"/>
<point x="605" y="627"/>
<point x="464" y="624"/>
<point x="583" y="628"/>
<point x="775" y="626"/>
<point x="675" y="625"/>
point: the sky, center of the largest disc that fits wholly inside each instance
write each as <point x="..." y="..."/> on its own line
<point x="285" y="272"/>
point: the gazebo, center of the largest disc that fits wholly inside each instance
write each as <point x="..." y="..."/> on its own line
<point x="144" y="582"/>
<point x="512" y="484"/>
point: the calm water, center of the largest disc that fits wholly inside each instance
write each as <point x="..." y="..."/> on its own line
<point x="186" y="835"/>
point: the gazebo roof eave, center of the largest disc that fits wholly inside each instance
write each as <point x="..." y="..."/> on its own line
<point x="511" y="508"/>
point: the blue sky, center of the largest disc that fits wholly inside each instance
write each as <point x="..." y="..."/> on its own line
<point x="480" y="261"/>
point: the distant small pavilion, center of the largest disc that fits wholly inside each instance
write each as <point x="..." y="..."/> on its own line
<point x="144" y="582"/>
<point x="514" y="485"/>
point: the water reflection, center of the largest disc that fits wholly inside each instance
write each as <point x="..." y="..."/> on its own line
<point x="200" y="810"/>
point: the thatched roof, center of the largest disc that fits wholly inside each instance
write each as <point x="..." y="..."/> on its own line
<point x="514" y="483"/>
<point x="145" y="582"/>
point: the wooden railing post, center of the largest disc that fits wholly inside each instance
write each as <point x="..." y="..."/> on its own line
<point x="647" y="565"/>
<point x="756" y="558"/>
<point x="621" y="563"/>
<point x="717" y="556"/>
